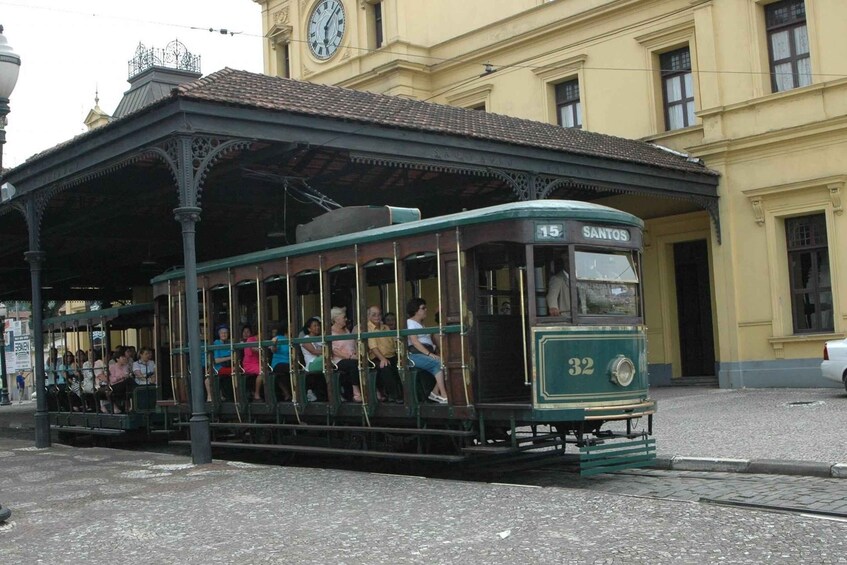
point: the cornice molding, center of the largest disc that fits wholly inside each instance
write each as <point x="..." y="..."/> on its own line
<point x="397" y="65"/>
<point x="670" y="34"/>
<point x="772" y="98"/>
<point x="553" y="70"/>
<point x="759" y="141"/>
<point x="468" y="97"/>
<point x="557" y="25"/>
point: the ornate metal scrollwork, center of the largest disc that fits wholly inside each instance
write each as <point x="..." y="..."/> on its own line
<point x="174" y="56"/>
<point x="189" y="159"/>
<point x="520" y="182"/>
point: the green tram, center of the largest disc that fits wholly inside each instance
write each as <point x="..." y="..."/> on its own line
<point x="538" y="307"/>
<point x="73" y="400"/>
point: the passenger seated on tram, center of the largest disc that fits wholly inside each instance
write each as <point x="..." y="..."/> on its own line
<point x="250" y="361"/>
<point x="120" y="380"/>
<point x="69" y="373"/>
<point x="88" y="386"/>
<point x="344" y="356"/>
<point x="383" y="352"/>
<point x="423" y="350"/>
<point x="390" y="320"/>
<point x="145" y="368"/>
<point x="313" y="361"/>
<point x="280" y="364"/>
<point x="51" y="367"/>
<point x="559" y="290"/>
<point x="222" y="358"/>
<point x="101" y="381"/>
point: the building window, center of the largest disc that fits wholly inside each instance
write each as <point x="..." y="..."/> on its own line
<point x="568" y="107"/>
<point x="283" y="53"/>
<point x="678" y="88"/>
<point x="378" y="25"/>
<point x="788" y="45"/>
<point x="808" y="265"/>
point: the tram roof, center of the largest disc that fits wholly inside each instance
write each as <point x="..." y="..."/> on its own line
<point x="538" y="209"/>
<point x="134" y="315"/>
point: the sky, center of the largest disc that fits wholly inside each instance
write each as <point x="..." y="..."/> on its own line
<point x="71" y="49"/>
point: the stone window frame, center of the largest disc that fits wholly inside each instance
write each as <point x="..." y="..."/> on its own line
<point x="280" y="36"/>
<point x="687" y="97"/>
<point x="477" y="98"/>
<point x="553" y="74"/>
<point x="375" y="38"/>
<point x="759" y="44"/>
<point x="770" y="207"/>
<point x="794" y="58"/>
<point x="654" y="45"/>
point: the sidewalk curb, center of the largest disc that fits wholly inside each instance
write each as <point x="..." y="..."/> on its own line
<point x="758" y="466"/>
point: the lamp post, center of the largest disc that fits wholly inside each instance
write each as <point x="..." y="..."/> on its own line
<point x="4" y="391"/>
<point x="10" y="64"/>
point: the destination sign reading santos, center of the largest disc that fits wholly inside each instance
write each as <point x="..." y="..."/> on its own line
<point x="611" y="234"/>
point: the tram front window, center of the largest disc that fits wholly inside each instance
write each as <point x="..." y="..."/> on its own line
<point x="606" y="284"/>
<point x="552" y="281"/>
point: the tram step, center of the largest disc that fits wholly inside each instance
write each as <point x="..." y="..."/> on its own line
<point x="524" y="444"/>
<point x="322" y="427"/>
<point x="502" y="406"/>
<point x="332" y="451"/>
<point x="92" y="431"/>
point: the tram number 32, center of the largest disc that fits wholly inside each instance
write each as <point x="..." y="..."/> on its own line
<point x="581" y="366"/>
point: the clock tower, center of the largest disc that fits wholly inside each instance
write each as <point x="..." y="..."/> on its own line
<point x="322" y="40"/>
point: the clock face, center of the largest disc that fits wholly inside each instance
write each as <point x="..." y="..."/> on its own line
<point x="326" y="28"/>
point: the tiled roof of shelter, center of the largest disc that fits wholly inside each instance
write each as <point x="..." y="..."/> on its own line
<point x="243" y="88"/>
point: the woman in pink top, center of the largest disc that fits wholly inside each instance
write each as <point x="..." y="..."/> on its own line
<point x="250" y="362"/>
<point x="344" y="355"/>
<point x="119" y="373"/>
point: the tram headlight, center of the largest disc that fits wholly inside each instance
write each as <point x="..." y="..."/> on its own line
<point x="622" y="370"/>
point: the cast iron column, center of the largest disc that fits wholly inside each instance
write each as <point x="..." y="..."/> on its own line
<point x="201" y="447"/>
<point x="42" y="421"/>
<point x="4" y="391"/>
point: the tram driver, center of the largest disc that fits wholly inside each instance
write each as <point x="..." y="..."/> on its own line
<point x="559" y="290"/>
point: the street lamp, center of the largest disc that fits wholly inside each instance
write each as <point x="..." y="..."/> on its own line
<point x="4" y="392"/>
<point x="10" y="64"/>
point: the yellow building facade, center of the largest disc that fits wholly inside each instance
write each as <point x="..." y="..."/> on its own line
<point x="757" y="89"/>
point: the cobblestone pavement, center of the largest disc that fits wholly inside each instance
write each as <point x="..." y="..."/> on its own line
<point x="75" y="505"/>
<point x="802" y="494"/>
<point x="752" y="423"/>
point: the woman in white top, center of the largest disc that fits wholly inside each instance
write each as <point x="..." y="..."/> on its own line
<point x="313" y="359"/>
<point x="145" y="368"/>
<point x="312" y="351"/>
<point x="422" y="350"/>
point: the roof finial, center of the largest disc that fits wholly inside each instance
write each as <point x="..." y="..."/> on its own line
<point x="96" y="94"/>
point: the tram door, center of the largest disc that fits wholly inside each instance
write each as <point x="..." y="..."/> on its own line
<point x="694" y="308"/>
<point x="500" y="374"/>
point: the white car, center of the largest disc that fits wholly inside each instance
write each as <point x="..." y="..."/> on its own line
<point x="834" y="365"/>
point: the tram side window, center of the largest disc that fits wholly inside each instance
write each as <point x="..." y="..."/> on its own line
<point x="497" y="271"/>
<point x="552" y="271"/>
<point x="607" y="284"/>
<point x="308" y="303"/>
<point x="342" y="291"/>
<point x="379" y="285"/>
<point x="422" y="282"/>
<point x="276" y="303"/>
<point x="219" y="305"/>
